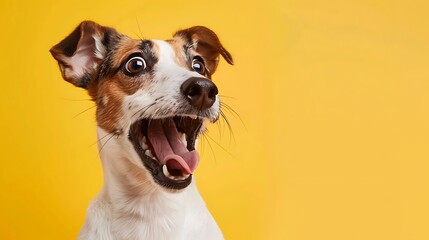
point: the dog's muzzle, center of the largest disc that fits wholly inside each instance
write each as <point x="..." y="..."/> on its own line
<point x="166" y="146"/>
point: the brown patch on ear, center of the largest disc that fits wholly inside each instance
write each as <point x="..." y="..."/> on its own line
<point x="206" y="43"/>
<point x="80" y="53"/>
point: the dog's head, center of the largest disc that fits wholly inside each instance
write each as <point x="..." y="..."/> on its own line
<point x="156" y="94"/>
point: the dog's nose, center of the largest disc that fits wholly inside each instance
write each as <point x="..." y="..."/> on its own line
<point x="200" y="92"/>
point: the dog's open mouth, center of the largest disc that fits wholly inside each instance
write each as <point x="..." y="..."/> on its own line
<point x="167" y="148"/>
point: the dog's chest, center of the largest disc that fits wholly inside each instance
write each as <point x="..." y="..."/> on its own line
<point x="150" y="221"/>
<point x="159" y="217"/>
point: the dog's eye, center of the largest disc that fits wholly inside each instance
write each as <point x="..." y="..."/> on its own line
<point x="198" y="65"/>
<point x="135" y="65"/>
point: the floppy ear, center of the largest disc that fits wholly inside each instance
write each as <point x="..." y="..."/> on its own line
<point x="80" y="53"/>
<point x="206" y="43"/>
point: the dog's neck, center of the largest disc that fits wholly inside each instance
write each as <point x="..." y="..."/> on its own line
<point x="131" y="193"/>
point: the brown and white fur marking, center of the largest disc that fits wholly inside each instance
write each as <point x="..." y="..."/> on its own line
<point x="152" y="99"/>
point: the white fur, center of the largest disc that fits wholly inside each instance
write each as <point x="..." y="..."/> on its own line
<point x="151" y="213"/>
<point x="131" y="205"/>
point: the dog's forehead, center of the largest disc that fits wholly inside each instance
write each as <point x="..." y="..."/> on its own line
<point x="125" y="47"/>
<point x="173" y="50"/>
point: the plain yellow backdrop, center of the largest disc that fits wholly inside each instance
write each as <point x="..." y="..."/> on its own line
<point x="331" y="142"/>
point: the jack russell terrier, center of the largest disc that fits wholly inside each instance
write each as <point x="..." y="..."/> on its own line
<point x="152" y="99"/>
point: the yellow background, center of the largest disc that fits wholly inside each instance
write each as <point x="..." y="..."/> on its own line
<point x="333" y="96"/>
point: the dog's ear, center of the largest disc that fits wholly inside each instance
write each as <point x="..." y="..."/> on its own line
<point x="206" y="43"/>
<point x="80" y="53"/>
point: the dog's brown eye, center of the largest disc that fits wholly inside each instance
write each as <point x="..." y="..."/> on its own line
<point x="135" y="65"/>
<point x="198" y="66"/>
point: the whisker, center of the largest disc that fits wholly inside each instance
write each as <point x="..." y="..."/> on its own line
<point x="104" y="144"/>
<point x="231" y="132"/>
<point x="220" y="127"/>
<point x="143" y="109"/>
<point x="210" y="145"/>
<point x="223" y="104"/>
<point x="224" y="149"/>
<point x="140" y="30"/>
<point x="201" y="144"/>
<point x="103" y="137"/>
<point x="233" y="112"/>
<point x="77" y="100"/>
<point x="224" y="96"/>
<point x="84" y="111"/>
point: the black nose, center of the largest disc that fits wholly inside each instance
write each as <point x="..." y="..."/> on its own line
<point x="200" y="92"/>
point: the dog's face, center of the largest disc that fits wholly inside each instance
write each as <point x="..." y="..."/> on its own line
<point x="155" y="93"/>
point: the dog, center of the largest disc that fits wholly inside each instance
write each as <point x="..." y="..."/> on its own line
<point x="153" y="98"/>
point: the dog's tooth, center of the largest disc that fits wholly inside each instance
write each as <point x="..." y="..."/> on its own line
<point x="184" y="139"/>
<point x="183" y="177"/>
<point x="144" y="146"/>
<point x="165" y="171"/>
<point x="193" y="117"/>
<point x="148" y="153"/>
<point x="144" y="139"/>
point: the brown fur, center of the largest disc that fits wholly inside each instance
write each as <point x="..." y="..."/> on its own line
<point x="109" y="93"/>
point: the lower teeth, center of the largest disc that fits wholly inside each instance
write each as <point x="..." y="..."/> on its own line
<point x="165" y="171"/>
<point x="148" y="153"/>
<point x="167" y="174"/>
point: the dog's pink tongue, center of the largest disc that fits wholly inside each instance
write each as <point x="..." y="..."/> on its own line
<point x="169" y="148"/>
